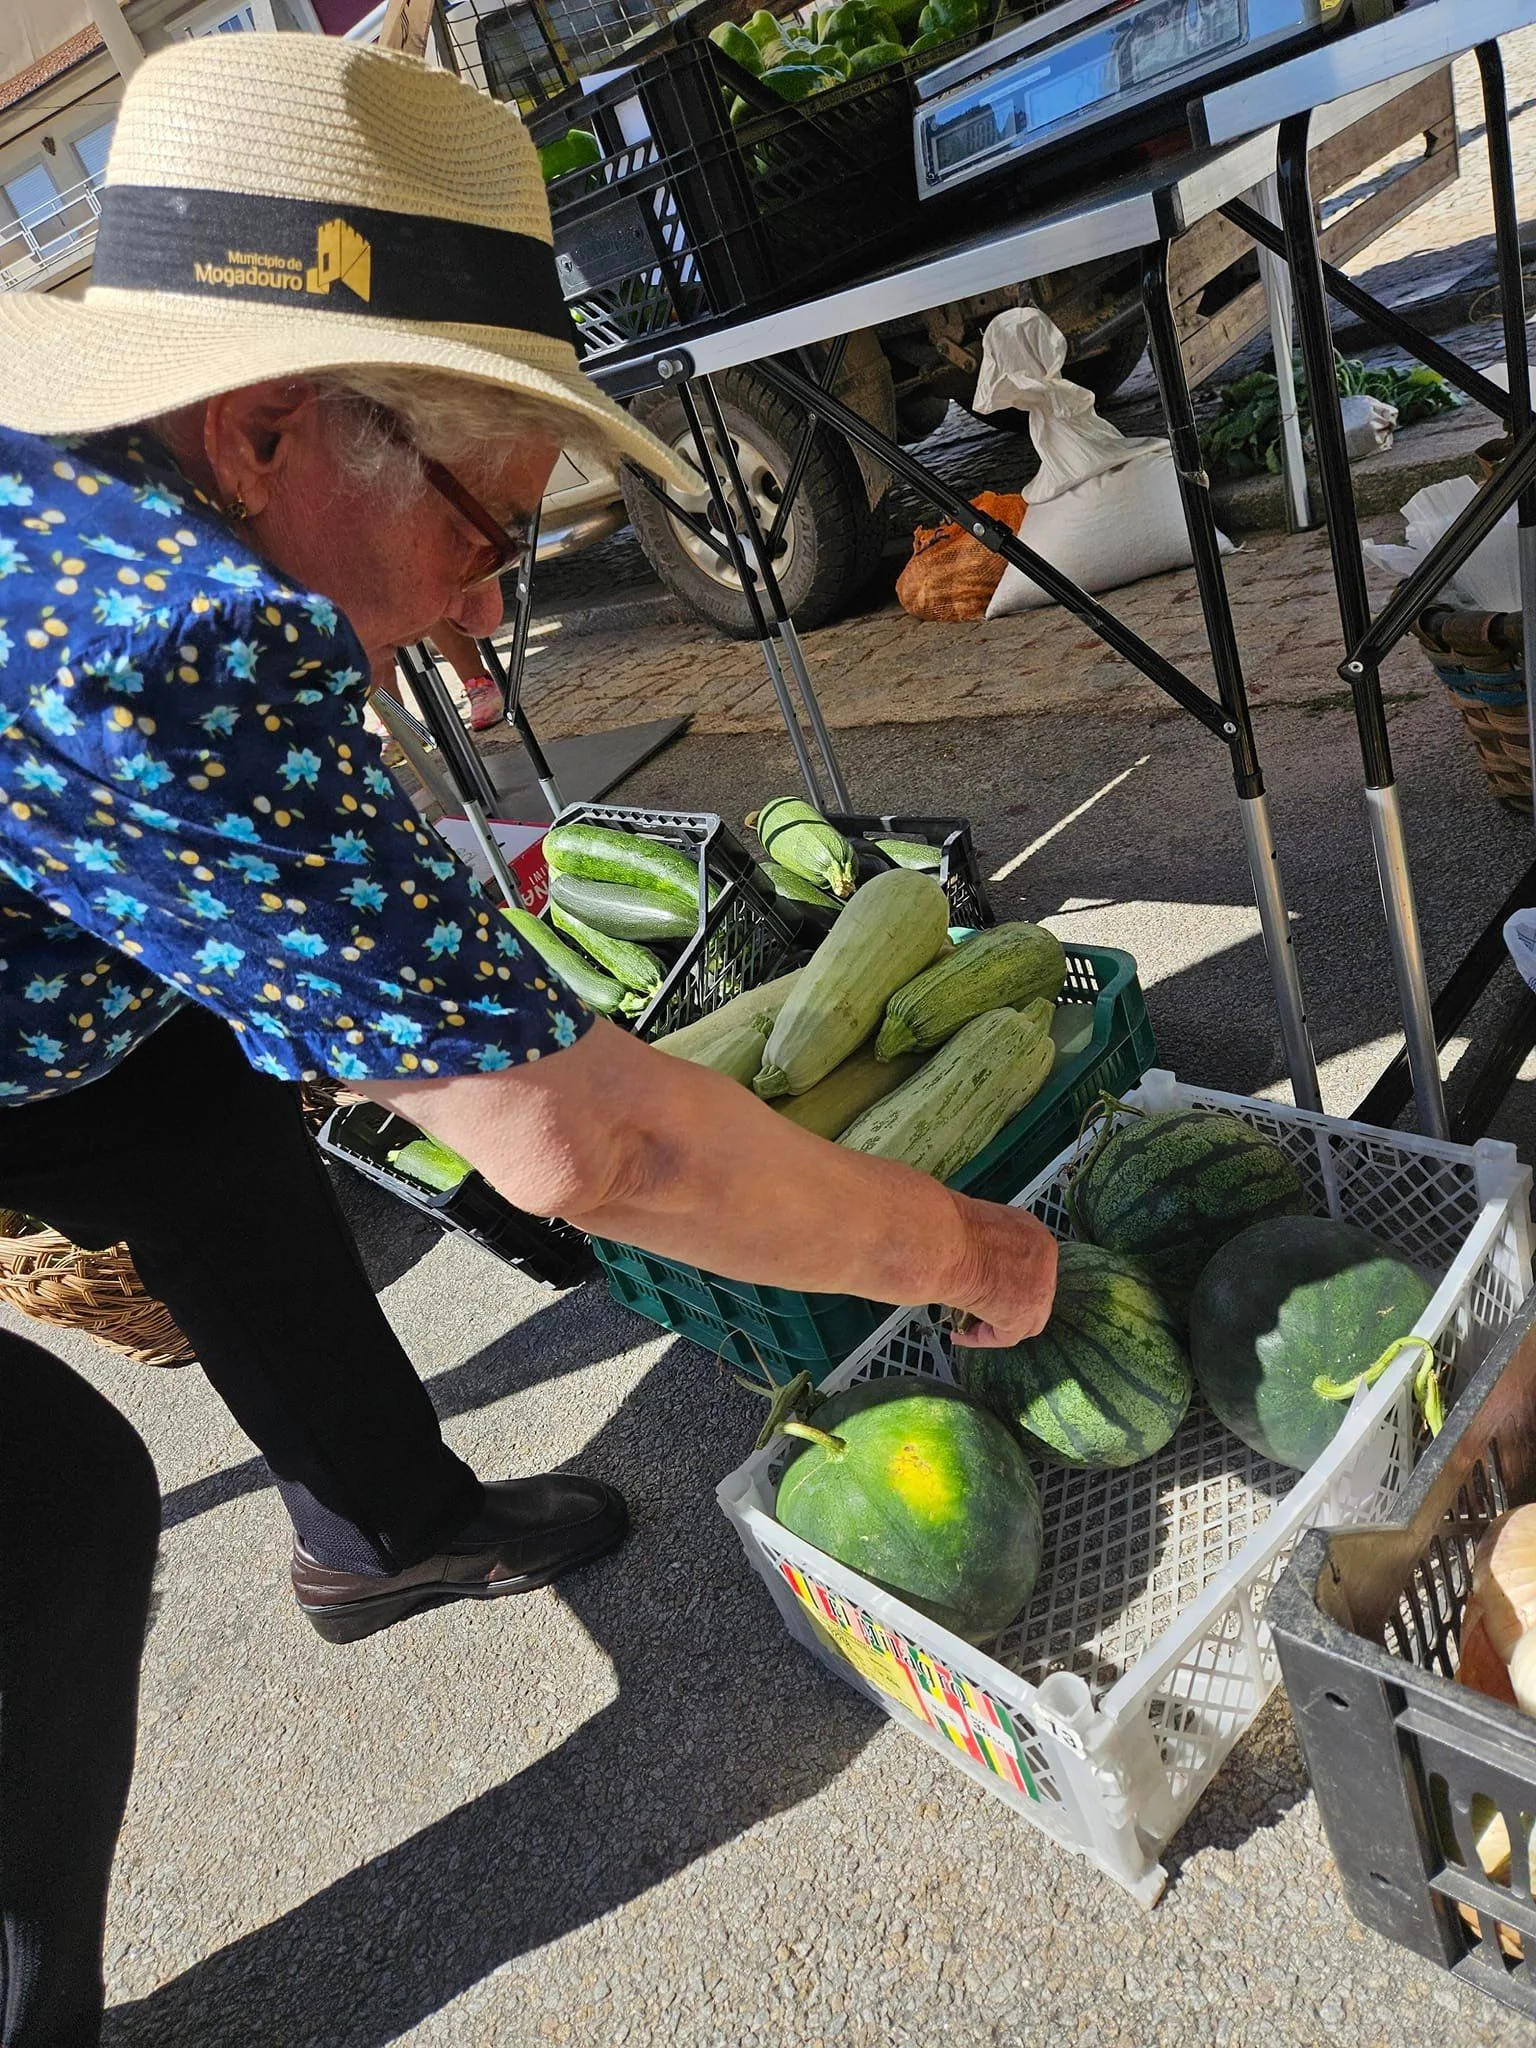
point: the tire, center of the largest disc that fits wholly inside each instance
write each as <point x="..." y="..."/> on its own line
<point x="1107" y="369"/>
<point x="831" y="543"/>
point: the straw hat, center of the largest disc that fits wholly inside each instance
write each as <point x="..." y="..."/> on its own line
<point x="276" y="204"/>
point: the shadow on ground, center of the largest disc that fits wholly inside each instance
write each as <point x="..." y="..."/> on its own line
<point x="370" y="1956"/>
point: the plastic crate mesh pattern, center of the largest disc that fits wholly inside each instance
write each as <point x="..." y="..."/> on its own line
<point x="1128" y="1551"/>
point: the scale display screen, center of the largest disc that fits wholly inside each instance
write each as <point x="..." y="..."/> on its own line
<point x="1133" y="52"/>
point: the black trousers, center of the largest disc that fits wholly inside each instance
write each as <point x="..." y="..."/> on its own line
<point x="79" y="1521"/>
<point x="205" y="1167"/>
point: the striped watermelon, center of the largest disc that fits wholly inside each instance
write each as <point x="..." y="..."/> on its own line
<point x="1169" y="1190"/>
<point x="1106" y="1382"/>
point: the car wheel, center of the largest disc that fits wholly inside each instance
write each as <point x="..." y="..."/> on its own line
<point x="830" y="543"/>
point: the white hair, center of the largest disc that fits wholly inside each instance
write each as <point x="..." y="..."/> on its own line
<point x="469" y="425"/>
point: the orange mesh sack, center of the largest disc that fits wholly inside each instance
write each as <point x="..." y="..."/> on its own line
<point x="951" y="575"/>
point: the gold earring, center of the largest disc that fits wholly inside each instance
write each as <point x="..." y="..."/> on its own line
<point x="236" y="510"/>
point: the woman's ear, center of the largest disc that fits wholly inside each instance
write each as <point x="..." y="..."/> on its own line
<point x="251" y="437"/>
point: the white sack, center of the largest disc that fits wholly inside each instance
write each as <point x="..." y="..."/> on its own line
<point x="1368" y="425"/>
<point x="1489" y="580"/>
<point x="1105" y="506"/>
<point x="1520" y="938"/>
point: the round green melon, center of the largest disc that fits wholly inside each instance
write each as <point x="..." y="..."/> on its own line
<point x="925" y="1494"/>
<point x="1169" y="1190"/>
<point x="1286" y="1305"/>
<point x="1107" y="1381"/>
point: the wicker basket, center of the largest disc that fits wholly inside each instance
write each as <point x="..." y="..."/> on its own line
<point x="1480" y="658"/>
<point x="44" y="1276"/>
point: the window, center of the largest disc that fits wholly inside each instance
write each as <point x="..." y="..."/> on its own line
<point x="35" y="200"/>
<point x="228" y="17"/>
<point x="91" y="148"/>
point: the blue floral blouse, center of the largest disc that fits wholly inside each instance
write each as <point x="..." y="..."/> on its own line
<point x="192" y="810"/>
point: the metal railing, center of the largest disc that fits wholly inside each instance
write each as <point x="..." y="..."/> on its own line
<point x="50" y="238"/>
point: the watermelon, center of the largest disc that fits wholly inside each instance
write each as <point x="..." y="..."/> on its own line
<point x="1171" y="1188"/>
<point x="913" y="1486"/>
<point x="1106" y="1382"/>
<point x="1285" y="1318"/>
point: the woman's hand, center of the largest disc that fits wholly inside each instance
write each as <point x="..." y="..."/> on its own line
<point x="1016" y="1281"/>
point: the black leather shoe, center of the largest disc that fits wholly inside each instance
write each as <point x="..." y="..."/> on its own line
<point x="528" y="1531"/>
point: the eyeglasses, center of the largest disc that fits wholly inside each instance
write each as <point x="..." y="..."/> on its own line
<point x="502" y="548"/>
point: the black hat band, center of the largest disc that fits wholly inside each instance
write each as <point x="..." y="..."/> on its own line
<point x="321" y="256"/>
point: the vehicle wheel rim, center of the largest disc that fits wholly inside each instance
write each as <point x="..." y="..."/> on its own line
<point x="765" y="494"/>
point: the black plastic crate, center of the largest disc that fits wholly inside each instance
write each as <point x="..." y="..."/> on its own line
<point x="365" y="1133"/>
<point x="703" y="220"/>
<point x="744" y="937"/>
<point x="1408" y="1766"/>
<point x="958" y="873"/>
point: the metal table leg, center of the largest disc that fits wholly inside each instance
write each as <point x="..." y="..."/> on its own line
<point x="476" y="791"/>
<point x="1392" y="870"/>
<point x="726" y="521"/>
<point x="1506" y="222"/>
<point x="508" y="674"/>
<point x="1281" y="310"/>
<point x="760" y="584"/>
<point x="789" y="639"/>
<point x="1253" y="805"/>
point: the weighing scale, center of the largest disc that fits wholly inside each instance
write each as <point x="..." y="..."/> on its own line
<point x="1048" y="91"/>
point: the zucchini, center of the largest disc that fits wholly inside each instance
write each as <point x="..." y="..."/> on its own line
<point x="738" y="1052"/>
<point x="1007" y="966"/>
<point x="956" y="1104"/>
<point x="858" y="1084"/>
<point x="796" y="889"/>
<point x="621" y="912"/>
<point x="798" y="837"/>
<point x="597" y="990"/>
<point x="892" y="929"/>
<point x="636" y="966"/>
<point x="435" y="1166"/>
<point x="752" y="1004"/>
<point x="912" y="853"/>
<point x="600" y="853"/>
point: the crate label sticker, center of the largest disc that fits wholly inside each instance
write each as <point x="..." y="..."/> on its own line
<point x="994" y="1731"/>
<point x="876" y="1653"/>
<point x="1068" y="1737"/>
<point x="908" y="1674"/>
<point x="945" y="1709"/>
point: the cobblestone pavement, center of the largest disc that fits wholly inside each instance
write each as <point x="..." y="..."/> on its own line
<point x="884" y="667"/>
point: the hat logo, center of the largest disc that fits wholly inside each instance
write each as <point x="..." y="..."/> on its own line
<point x="342" y="256"/>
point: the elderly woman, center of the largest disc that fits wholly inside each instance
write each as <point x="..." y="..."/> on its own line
<point x="306" y="407"/>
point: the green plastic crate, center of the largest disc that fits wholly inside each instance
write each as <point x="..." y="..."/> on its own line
<point x="787" y="1332"/>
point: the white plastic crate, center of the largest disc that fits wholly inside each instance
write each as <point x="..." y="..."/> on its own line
<point x="1106" y="1709"/>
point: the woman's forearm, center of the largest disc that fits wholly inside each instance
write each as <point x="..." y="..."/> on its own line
<point x="628" y="1143"/>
